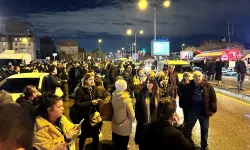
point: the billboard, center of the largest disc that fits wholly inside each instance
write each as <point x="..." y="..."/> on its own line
<point x="186" y="55"/>
<point x="160" y="48"/>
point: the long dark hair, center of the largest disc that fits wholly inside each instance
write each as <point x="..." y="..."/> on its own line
<point x="155" y="90"/>
<point x="47" y="102"/>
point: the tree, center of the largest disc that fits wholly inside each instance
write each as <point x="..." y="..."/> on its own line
<point x="64" y="56"/>
<point x="190" y="48"/>
<point x="217" y="44"/>
<point x="97" y="53"/>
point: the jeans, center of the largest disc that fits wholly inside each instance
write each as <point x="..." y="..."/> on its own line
<point x="240" y="80"/>
<point x="193" y="116"/>
<point x="120" y="142"/>
<point x="95" y="142"/>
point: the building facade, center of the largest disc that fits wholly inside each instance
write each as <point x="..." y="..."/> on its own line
<point x="69" y="46"/>
<point x="4" y="43"/>
<point x="24" y="44"/>
<point x="47" y="47"/>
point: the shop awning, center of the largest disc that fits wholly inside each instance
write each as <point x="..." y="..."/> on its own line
<point x="209" y="55"/>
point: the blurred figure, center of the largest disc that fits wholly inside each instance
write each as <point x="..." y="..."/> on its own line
<point x="211" y="70"/>
<point x="218" y="71"/>
<point x="241" y="69"/>
<point x="26" y="101"/>
<point x="123" y="116"/>
<point x="5" y="97"/>
<point x="165" y="88"/>
<point x="181" y="89"/>
<point x="51" y="82"/>
<point x="53" y="131"/>
<point x="166" y="132"/>
<point x="65" y="87"/>
<point x="173" y="80"/>
<point x="16" y="128"/>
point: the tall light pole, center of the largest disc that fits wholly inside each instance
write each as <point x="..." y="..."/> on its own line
<point x="143" y="4"/>
<point x="129" y="32"/>
<point x="99" y="42"/>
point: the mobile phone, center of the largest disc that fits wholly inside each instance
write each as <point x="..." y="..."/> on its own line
<point x="81" y="122"/>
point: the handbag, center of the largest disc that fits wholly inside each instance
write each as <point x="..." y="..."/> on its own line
<point x="107" y="109"/>
<point x="95" y="118"/>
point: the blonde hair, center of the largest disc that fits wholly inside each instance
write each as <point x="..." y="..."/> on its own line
<point x="197" y="73"/>
<point x="186" y="74"/>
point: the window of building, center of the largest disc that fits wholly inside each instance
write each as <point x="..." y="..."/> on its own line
<point x="15" y="39"/>
<point x="22" y="44"/>
<point x="29" y="44"/>
<point x="29" y="39"/>
<point x="16" y="49"/>
<point x="3" y="39"/>
<point x="16" y="44"/>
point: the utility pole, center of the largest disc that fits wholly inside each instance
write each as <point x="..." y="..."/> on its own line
<point x="230" y="32"/>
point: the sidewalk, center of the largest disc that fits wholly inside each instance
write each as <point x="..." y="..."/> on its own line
<point x="229" y="87"/>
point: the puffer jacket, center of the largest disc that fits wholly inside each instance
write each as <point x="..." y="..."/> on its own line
<point x="48" y="137"/>
<point x="124" y="113"/>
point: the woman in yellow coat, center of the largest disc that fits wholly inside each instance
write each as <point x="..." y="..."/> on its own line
<point x="53" y="131"/>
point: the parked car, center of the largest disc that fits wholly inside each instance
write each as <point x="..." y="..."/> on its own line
<point x="231" y="73"/>
<point x="16" y="83"/>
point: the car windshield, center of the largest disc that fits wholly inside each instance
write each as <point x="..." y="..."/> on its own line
<point x="16" y="85"/>
<point x="182" y="68"/>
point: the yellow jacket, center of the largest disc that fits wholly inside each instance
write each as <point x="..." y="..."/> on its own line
<point x="48" y="137"/>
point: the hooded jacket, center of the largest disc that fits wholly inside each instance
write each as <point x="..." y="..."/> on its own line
<point x="123" y="113"/>
<point x="5" y="97"/>
<point x="48" y="137"/>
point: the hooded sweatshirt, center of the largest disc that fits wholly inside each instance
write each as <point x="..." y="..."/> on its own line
<point x="124" y="113"/>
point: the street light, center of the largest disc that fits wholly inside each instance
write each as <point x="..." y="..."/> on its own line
<point x="129" y="32"/>
<point x="143" y="4"/>
<point x="183" y="45"/>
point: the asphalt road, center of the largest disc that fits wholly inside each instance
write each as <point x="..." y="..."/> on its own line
<point x="229" y="127"/>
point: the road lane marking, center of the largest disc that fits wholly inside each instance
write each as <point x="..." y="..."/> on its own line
<point x="234" y="99"/>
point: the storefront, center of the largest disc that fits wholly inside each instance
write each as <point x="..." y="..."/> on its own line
<point x="223" y="54"/>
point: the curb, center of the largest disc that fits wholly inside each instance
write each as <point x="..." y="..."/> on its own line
<point x="242" y="97"/>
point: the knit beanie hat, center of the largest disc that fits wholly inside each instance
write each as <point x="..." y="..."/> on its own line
<point x="121" y="85"/>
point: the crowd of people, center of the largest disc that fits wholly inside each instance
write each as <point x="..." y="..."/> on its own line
<point x="149" y="98"/>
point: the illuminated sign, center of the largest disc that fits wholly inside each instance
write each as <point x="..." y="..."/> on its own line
<point x="160" y="48"/>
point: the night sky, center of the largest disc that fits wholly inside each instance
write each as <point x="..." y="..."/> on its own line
<point x="185" y="21"/>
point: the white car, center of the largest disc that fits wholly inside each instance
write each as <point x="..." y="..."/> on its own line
<point x="16" y="83"/>
<point x="231" y="73"/>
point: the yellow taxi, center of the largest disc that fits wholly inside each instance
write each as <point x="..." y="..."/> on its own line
<point x="16" y="83"/>
<point x="180" y="66"/>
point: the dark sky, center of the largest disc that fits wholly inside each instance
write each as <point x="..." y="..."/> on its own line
<point x="185" y="21"/>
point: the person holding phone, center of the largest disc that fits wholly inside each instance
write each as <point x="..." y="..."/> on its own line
<point x="53" y="131"/>
<point x="86" y="101"/>
<point x="167" y="131"/>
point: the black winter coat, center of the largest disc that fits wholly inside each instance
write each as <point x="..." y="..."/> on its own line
<point x="83" y="102"/>
<point x="181" y="90"/>
<point x="160" y="135"/>
<point x="28" y="106"/>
